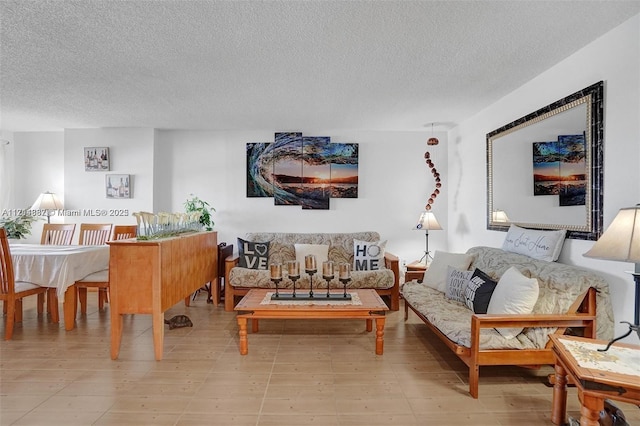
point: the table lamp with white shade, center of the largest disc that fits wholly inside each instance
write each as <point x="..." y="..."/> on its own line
<point x="47" y="201"/>
<point x="621" y="242"/>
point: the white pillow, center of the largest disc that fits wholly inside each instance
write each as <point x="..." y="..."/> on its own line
<point x="368" y="255"/>
<point x="514" y="294"/>
<point x="457" y="281"/>
<point x="542" y="245"/>
<point x="320" y="251"/>
<point x="436" y="275"/>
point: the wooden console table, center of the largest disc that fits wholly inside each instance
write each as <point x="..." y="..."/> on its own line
<point x="149" y="277"/>
<point x="597" y="375"/>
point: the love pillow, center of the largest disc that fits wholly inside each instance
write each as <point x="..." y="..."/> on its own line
<point x="252" y="255"/>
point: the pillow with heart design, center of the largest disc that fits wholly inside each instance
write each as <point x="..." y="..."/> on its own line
<point x="253" y="255"/>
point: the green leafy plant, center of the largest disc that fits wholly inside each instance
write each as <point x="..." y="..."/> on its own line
<point x="18" y="227"/>
<point x="195" y="204"/>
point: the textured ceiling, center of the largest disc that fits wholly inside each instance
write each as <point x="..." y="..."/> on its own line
<point x="284" y="65"/>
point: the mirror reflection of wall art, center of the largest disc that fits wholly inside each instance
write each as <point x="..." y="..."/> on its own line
<point x="545" y="170"/>
<point x="302" y="170"/>
<point x="96" y="159"/>
<point x="559" y="169"/>
<point x="118" y="186"/>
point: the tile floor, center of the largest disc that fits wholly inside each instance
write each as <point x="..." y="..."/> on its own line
<point x="296" y="373"/>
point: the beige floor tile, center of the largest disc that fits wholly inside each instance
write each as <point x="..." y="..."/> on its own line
<point x="296" y="373"/>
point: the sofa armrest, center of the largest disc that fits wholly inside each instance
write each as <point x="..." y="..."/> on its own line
<point x="480" y="321"/>
<point x="229" y="263"/>
<point x="392" y="262"/>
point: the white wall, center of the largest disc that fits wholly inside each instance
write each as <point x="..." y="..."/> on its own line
<point x="38" y="167"/>
<point x="614" y="58"/>
<point x="394" y="186"/>
<point x="169" y="165"/>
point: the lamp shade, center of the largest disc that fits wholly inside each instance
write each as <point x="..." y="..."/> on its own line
<point x="499" y="216"/>
<point x="47" y="201"/>
<point x="621" y="240"/>
<point x="427" y="221"/>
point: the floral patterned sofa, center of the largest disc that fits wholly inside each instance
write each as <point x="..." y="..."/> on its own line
<point x="570" y="298"/>
<point x="386" y="281"/>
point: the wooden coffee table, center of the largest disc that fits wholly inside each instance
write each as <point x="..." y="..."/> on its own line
<point x="251" y="307"/>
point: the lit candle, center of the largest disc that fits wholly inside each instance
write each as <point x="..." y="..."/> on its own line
<point x="345" y="271"/>
<point x="276" y="271"/>
<point x="310" y="263"/>
<point x="327" y="269"/>
<point x="293" y="268"/>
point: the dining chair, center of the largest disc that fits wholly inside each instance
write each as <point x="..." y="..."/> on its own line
<point x="12" y="292"/>
<point x="58" y="234"/>
<point x="123" y="232"/>
<point x="94" y="234"/>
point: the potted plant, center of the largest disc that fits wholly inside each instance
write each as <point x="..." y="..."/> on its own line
<point x="195" y="204"/>
<point x="18" y="227"/>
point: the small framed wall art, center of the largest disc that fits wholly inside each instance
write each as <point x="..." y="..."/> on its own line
<point x="118" y="186"/>
<point x="96" y="159"/>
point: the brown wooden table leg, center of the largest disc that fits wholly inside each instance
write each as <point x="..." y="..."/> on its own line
<point x="559" y="402"/>
<point x="242" y="332"/>
<point x="157" y="320"/>
<point x="590" y="410"/>
<point x="379" y="335"/>
<point x="70" y="305"/>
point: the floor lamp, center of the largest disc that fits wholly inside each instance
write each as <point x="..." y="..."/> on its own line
<point x="47" y="201"/>
<point x="621" y="242"/>
<point x="427" y="221"/>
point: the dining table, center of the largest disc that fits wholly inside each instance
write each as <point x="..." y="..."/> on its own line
<point x="58" y="268"/>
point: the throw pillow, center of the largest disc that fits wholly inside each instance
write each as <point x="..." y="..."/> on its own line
<point x="252" y="255"/>
<point x="368" y="255"/>
<point x="320" y="251"/>
<point x="542" y="245"/>
<point x="514" y="294"/>
<point x="436" y="275"/>
<point x="480" y="287"/>
<point x="457" y="283"/>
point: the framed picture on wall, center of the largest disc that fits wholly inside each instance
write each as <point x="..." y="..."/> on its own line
<point x="118" y="186"/>
<point x="96" y="159"/>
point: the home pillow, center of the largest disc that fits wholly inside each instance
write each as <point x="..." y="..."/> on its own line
<point x="368" y="255"/>
<point x="514" y="294"/>
<point x="541" y="245"/>
<point x="436" y="275"/>
<point x="320" y="251"/>
<point x="457" y="280"/>
<point x="480" y="287"/>
<point x="252" y="255"/>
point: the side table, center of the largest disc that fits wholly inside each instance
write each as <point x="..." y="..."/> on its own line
<point x="415" y="271"/>
<point x="597" y="375"/>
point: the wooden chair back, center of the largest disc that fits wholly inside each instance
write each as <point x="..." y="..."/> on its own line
<point x="123" y="232"/>
<point x="58" y="234"/>
<point x="94" y="234"/>
<point x="7" y="284"/>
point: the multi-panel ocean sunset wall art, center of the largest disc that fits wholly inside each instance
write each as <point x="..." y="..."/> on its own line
<point x="302" y="170"/>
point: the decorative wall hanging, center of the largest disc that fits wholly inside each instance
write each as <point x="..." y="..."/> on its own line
<point x="432" y="141"/>
<point x="302" y="170"/>
<point x="118" y="186"/>
<point x="96" y="159"/>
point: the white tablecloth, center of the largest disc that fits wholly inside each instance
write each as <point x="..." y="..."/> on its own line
<point x="57" y="266"/>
